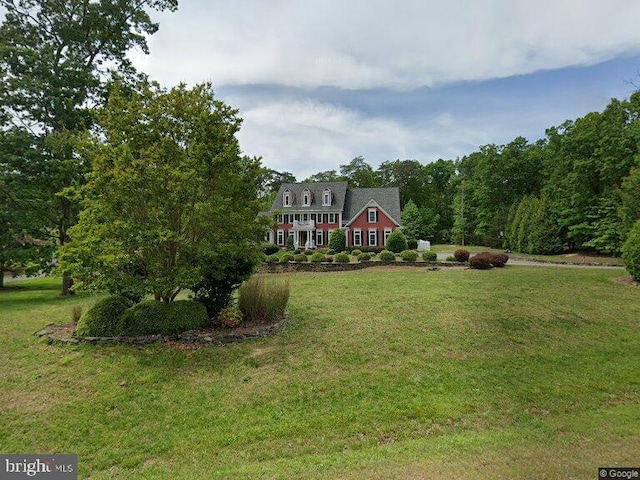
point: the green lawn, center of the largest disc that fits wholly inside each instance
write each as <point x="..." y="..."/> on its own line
<point x="522" y="372"/>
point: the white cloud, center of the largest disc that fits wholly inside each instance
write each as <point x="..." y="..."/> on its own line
<point x="377" y="43"/>
<point x="306" y="137"/>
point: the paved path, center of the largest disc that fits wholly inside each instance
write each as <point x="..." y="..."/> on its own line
<point x="518" y="261"/>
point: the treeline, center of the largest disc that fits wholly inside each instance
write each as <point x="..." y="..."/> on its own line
<point x="576" y="189"/>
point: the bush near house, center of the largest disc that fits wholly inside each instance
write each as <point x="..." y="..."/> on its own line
<point x="300" y="257"/>
<point x="355" y="252"/>
<point x="387" y="256"/>
<point x="329" y="259"/>
<point x="287" y="257"/>
<point x="461" y="255"/>
<point x="272" y="259"/>
<point x="397" y="242"/>
<point x="481" y="261"/>
<point x="631" y="252"/>
<point x="290" y="244"/>
<point x="451" y="258"/>
<point x="270" y="249"/>
<point x="409" y="255"/>
<point x="342" y="257"/>
<point x="365" y="257"/>
<point x="429" y="256"/>
<point x="412" y="243"/>
<point x="103" y="318"/>
<point x="338" y="240"/>
<point x="318" y="257"/>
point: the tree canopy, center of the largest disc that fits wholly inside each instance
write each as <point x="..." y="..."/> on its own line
<point x="168" y="192"/>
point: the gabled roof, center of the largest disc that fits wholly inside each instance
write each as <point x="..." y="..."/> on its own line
<point x="338" y="190"/>
<point x="388" y="199"/>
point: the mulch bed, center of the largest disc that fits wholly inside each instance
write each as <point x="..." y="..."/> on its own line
<point x="627" y="281"/>
<point x="64" y="334"/>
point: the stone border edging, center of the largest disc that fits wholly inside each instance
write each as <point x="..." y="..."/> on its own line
<point x="190" y="337"/>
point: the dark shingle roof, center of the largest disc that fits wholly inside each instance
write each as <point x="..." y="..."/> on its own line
<point x="387" y="198"/>
<point x="338" y="189"/>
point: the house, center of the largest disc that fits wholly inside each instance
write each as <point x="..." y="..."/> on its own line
<point x="309" y="212"/>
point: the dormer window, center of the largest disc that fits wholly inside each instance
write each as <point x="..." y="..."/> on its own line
<point x="306" y="198"/>
<point x="326" y="198"/>
<point x="287" y="198"/>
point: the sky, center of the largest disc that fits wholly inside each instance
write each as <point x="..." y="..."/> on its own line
<point x="319" y="82"/>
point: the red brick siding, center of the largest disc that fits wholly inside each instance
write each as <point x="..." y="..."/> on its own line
<point x="362" y="223"/>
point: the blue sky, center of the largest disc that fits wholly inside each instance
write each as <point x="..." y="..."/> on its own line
<point x="320" y="82"/>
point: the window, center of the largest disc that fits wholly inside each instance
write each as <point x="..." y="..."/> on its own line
<point x="305" y="217"/>
<point x="319" y="217"/>
<point x="387" y="232"/>
<point x="326" y="198"/>
<point x="280" y="219"/>
<point x="319" y="237"/>
<point x="373" y="237"/>
<point x="280" y="237"/>
<point x="287" y="198"/>
<point x="372" y="215"/>
<point x="357" y="237"/>
<point x="291" y="219"/>
<point x="332" y="218"/>
<point x="306" y="198"/>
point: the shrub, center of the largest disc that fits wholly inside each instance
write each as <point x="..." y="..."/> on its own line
<point x="270" y="249"/>
<point x="318" y="257"/>
<point x="373" y="250"/>
<point x="631" y="252"/>
<point x="76" y="314"/>
<point x="287" y="257"/>
<point x="409" y="255"/>
<point x="387" y="256"/>
<point x="261" y="301"/>
<point x="222" y="274"/>
<point x="329" y="259"/>
<point x="342" y="257"/>
<point x="412" y="243"/>
<point x="364" y="257"/>
<point x="157" y="318"/>
<point x="272" y="259"/>
<point x="355" y="252"/>
<point x="396" y="242"/>
<point x="481" y="261"/>
<point x="300" y="257"/>
<point x="309" y="252"/>
<point x="499" y="259"/>
<point x="451" y="258"/>
<point x="461" y="255"/>
<point x="429" y="256"/>
<point x="290" y="244"/>
<point x="338" y="240"/>
<point x="331" y="251"/>
<point x="230" y="317"/>
<point x="103" y="318"/>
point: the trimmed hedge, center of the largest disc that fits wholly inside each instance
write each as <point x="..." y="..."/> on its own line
<point x="318" y="257"/>
<point x="481" y="261"/>
<point x="429" y="256"/>
<point x="365" y="257"/>
<point x="156" y="318"/>
<point x="287" y="257"/>
<point x="300" y="257"/>
<point x="355" y="252"/>
<point x="412" y="243"/>
<point x="387" y="256"/>
<point x="272" y="259"/>
<point x="342" y="257"/>
<point x="461" y="255"/>
<point x="409" y="255"/>
<point x="103" y="319"/>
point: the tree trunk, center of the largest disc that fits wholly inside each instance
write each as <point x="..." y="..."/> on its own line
<point x="67" y="283"/>
<point x="1" y="279"/>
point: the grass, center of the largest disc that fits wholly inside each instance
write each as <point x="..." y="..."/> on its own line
<point x="519" y="372"/>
